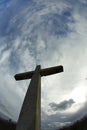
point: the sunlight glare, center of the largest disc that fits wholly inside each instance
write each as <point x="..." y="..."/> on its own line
<point x="79" y="94"/>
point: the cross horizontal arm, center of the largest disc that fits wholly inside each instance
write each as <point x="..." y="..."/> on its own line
<point x="43" y="72"/>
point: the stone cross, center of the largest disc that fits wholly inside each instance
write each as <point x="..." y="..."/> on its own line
<point x="30" y="115"/>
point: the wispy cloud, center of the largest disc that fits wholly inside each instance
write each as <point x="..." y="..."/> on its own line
<point x="47" y="33"/>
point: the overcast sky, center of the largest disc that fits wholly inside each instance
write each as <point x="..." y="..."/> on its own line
<point x="49" y="33"/>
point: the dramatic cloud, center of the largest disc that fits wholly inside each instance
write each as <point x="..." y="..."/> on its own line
<point x="62" y="105"/>
<point x="50" y="33"/>
<point x="60" y="119"/>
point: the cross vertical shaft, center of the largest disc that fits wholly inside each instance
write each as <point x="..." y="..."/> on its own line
<point x="29" y="118"/>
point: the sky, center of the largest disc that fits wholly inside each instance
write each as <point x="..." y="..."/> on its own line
<point x="46" y="33"/>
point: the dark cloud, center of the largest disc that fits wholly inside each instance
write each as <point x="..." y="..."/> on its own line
<point x="58" y="119"/>
<point x="27" y="26"/>
<point x="62" y="105"/>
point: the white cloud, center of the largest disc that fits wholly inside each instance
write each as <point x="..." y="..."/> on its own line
<point x="5" y="56"/>
<point x="30" y="38"/>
